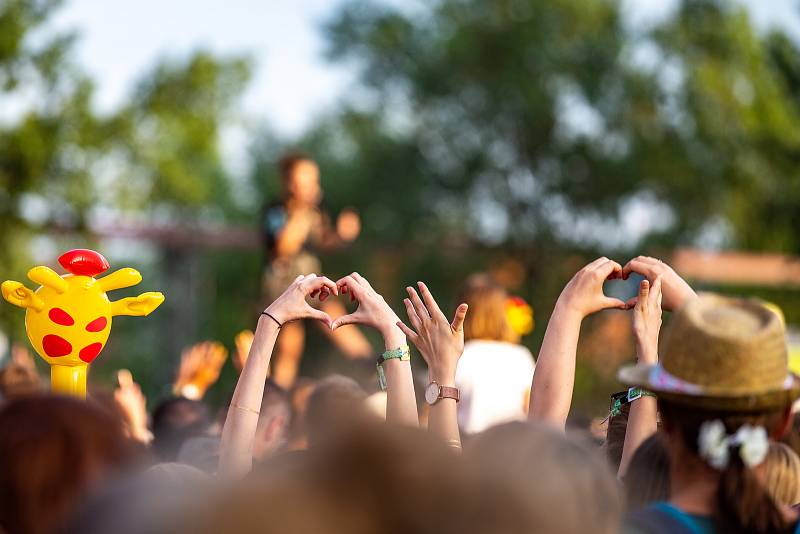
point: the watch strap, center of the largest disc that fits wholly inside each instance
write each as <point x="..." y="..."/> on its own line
<point x="447" y="392"/>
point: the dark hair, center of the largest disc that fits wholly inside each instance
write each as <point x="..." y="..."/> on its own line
<point x="647" y="478"/>
<point x="743" y="505"/>
<point x="289" y="161"/>
<point x="53" y="450"/>
<point x="615" y="436"/>
<point x="176" y="420"/>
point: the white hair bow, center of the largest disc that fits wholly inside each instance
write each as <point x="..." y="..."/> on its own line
<point x="714" y="444"/>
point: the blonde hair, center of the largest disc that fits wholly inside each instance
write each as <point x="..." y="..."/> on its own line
<point x="783" y="474"/>
<point x="487" y="317"/>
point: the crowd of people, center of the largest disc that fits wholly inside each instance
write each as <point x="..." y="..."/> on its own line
<point x="703" y="441"/>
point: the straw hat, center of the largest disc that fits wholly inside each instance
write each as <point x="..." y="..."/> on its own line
<point x="721" y="353"/>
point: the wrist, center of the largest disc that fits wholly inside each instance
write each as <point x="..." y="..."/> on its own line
<point x="566" y="309"/>
<point x="443" y="374"/>
<point x="647" y="354"/>
<point x="393" y="337"/>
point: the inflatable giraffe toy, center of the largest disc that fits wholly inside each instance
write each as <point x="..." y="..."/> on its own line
<point x="68" y="318"/>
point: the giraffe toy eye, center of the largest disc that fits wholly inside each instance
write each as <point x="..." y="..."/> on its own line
<point x="59" y="316"/>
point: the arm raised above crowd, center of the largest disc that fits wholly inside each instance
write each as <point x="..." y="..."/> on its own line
<point x="238" y="433"/>
<point x="373" y="311"/>
<point x="643" y="419"/>
<point x="554" y="379"/>
<point x="441" y="343"/>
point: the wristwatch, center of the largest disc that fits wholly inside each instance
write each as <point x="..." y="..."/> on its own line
<point x="435" y="391"/>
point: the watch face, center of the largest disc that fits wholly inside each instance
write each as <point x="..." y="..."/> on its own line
<point x="432" y="393"/>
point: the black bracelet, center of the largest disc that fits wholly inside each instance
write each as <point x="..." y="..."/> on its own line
<point x="273" y="318"/>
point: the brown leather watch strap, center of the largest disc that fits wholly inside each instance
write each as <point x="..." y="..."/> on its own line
<point x="446" y="392"/>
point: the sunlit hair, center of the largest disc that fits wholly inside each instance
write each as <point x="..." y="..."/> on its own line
<point x="487" y="310"/>
<point x="783" y="474"/>
<point x="566" y="484"/>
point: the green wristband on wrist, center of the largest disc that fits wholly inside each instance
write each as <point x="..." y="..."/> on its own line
<point x="403" y="354"/>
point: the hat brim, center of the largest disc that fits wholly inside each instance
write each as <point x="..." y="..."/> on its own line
<point x="639" y="375"/>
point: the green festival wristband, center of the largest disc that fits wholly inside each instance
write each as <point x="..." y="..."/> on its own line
<point x="403" y="354"/>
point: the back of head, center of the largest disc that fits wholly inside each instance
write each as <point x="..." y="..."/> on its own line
<point x="566" y="484"/>
<point x="487" y="318"/>
<point x="370" y="478"/>
<point x="175" y="421"/>
<point x="53" y="450"/>
<point x="647" y="478"/>
<point x="724" y="387"/>
<point x="335" y="401"/>
<point x="273" y="421"/>
<point x="783" y="474"/>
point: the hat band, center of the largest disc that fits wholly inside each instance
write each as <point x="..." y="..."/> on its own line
<point x="662" y="379"/>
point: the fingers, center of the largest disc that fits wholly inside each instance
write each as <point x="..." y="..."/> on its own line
<point x="430" y="302"/>
<point x="314" y="284"/>
<point x="643" y="265"/>
<point x="644" y="292"/>
<point x="419" y="307"/>
<point x="361" y="280"/>
<point x="631" y="303"/>
<point x="351" y="318"/>
<point x="655" y="293"/>
<point x="319" y="315"/>
<point x="458" y="321"/>
<point x="609" y="269"/>
<point x="124" y="378"/>
<point x="410" y="334"/>
<point x="413" y="318"/>
<point x="350" y="285"/>
<point x="609" y="302"/>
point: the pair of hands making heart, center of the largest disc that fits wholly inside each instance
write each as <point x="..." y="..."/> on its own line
<point x="440" y="341"/>
<point x="584" y="295"/>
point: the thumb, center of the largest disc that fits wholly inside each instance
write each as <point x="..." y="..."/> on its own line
<point x="350" y="318"/>
<point x="320" y="316"/>
<point x="458" y="321"/>
<point x="614" y="303"/>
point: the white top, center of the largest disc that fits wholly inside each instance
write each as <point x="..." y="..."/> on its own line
<point x="494" y="379"/>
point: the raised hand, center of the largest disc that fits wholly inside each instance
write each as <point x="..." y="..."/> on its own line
<point x="243" y="341"/>
<point x="441" y="342"/>
<point x="584" y="293"/>
<point x="674" y="288"/>
<point x="647" y="320"/>
<point x="131" y="401"/>
<point x="199" y="369"/>
<point x="292" y="304"/>
<point x="372" y="311"/>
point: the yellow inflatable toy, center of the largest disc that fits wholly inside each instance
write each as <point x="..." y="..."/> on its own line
<point x="68" y="318"/>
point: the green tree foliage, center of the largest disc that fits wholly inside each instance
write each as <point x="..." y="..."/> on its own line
<point x="533" y="122"/>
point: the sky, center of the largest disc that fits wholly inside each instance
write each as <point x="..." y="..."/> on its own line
<point x="120" y="40"/>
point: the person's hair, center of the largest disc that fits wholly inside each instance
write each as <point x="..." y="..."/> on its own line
<point x="335" y="399"/>
<point x="367" y="478"/>
<point x="288" y="162"/>
<point x="566" y="483"/>
<point x="742" y="503"/>
<point x="274" y="403"/>
<point x="53" y="451"/>
<point x="783" y="474"/>
<point x="615" y="436"/>
<point x="487" y="318"/>
<point x="175" y="421"/>
<point x="647" y="478"/>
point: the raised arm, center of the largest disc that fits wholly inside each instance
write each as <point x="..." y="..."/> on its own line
<point x="373" y="311"/>
<point x="643" y="419"/>
<point x="554" y="379"/>
<point x="238" y="433"/>
<point x="441" y="343"/>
